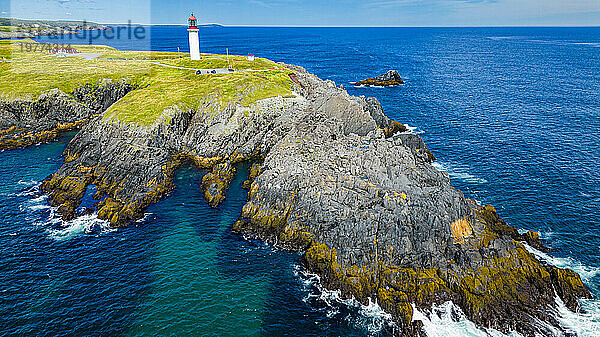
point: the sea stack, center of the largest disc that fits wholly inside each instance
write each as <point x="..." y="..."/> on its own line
<point x="391" y="78"/>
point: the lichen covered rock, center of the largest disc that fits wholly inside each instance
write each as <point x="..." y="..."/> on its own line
<point x="253" y="172"/>
<point x="215" y="183"/>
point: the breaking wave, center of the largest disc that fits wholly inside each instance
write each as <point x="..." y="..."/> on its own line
<point x="587" y="322"/>
<point x="28" y="183"/>
<point x="371" y="318"/>
<point x="582" y="324"/>
<point x="448" y="320"/>
<point x="144" y="218"/>
<point x="458" y="172"/>
<point x="374" y="86"/>
<point x="413" y="129"/>
<point x="44" y="215"/>
<point x="85" y="224"/>
<point x="587" y="273"/>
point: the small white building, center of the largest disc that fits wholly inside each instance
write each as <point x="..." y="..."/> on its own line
<point x="250" y="57"/>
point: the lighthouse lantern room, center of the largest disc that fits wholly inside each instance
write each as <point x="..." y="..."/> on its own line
<point x="194" y="39"/>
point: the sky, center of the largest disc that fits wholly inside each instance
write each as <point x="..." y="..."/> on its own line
<point x="315" y="12"/>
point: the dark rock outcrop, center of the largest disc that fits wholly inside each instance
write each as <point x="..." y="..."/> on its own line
<point x="391" y="78"/>
<point x="336" y="179"/>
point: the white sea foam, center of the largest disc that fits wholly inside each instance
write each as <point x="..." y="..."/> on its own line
<point x="371" y="317"/>
<point x="413" y="129"/>
<point x="587" y="273"/>
<point x="441" y="321"/>
<point x="587" y="322"/>
<point x="27" y="183"/>
<point x="457" y="172"/>
<point x="582" y="324"/>
<point x="40" y="199"/>
<point x="373" y="86"/>
<point x="57" y="228"/>
<point x="86" y="224"/>
<point x="146" y="217"/>
<point x="448" y="320"/>
<point x="31" y="188"/>
<point x="546" y="235"/>
<point x="38" y="207"/>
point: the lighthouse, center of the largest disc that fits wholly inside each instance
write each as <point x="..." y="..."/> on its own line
<point x="194" y="40"/>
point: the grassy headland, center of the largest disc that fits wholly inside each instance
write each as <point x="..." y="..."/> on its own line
<point x="28" y="74"/>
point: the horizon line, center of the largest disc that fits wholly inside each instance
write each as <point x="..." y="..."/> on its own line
<point x="314" y="26"/>
<point x="373" y="26"/>
<point x="350" y="26"/>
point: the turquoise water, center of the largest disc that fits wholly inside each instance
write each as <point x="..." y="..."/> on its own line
<point x="179" y="271"/>
<point x="512" y="114"/>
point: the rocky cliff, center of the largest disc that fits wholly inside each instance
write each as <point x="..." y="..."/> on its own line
<point x="25" y="122"/>
<point x="333" y="177"/>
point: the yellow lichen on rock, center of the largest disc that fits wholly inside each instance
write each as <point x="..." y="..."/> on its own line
<point x="215" y="183"/>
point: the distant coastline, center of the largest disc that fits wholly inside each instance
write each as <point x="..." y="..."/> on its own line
<point x="23" y="29"/>
<point x="20" y="29"/>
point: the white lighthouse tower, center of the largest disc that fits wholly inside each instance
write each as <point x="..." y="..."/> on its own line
<point x="194" y="40"/>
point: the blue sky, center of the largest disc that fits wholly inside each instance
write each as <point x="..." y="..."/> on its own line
<point x="317" y="12"/>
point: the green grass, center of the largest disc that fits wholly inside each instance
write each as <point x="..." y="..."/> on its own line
<point x="30" y="74"/>
<point x="209" y="61"/>
<point x="188" y="91"/>
<point x="9" y="29"/>
<point x="138" y="55"/>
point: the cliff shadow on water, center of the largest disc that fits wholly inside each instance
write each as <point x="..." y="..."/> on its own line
<point x="206" y="278"/>
<point x="179" y="269"/>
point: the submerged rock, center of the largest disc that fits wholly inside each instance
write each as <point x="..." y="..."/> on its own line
<point x="391" y="78"/>
<point x="339" y="181"/>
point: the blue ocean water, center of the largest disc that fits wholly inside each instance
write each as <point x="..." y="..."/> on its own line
<point x="512" y="114"/>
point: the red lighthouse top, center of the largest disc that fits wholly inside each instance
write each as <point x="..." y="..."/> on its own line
<point x="192" y="20"/>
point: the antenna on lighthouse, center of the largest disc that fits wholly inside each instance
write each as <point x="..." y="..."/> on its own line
<point x="194" y="38"/>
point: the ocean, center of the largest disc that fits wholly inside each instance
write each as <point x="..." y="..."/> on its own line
<point x="512" y="114"/>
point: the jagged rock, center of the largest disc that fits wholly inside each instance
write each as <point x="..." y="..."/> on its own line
<point x="391" y="78"/>
<point x="215" y="183"/>
<point x="253" y="172"/>
<point x="339" y="181"/>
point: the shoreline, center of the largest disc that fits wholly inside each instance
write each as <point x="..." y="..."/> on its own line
<point x="332" y="177"/>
